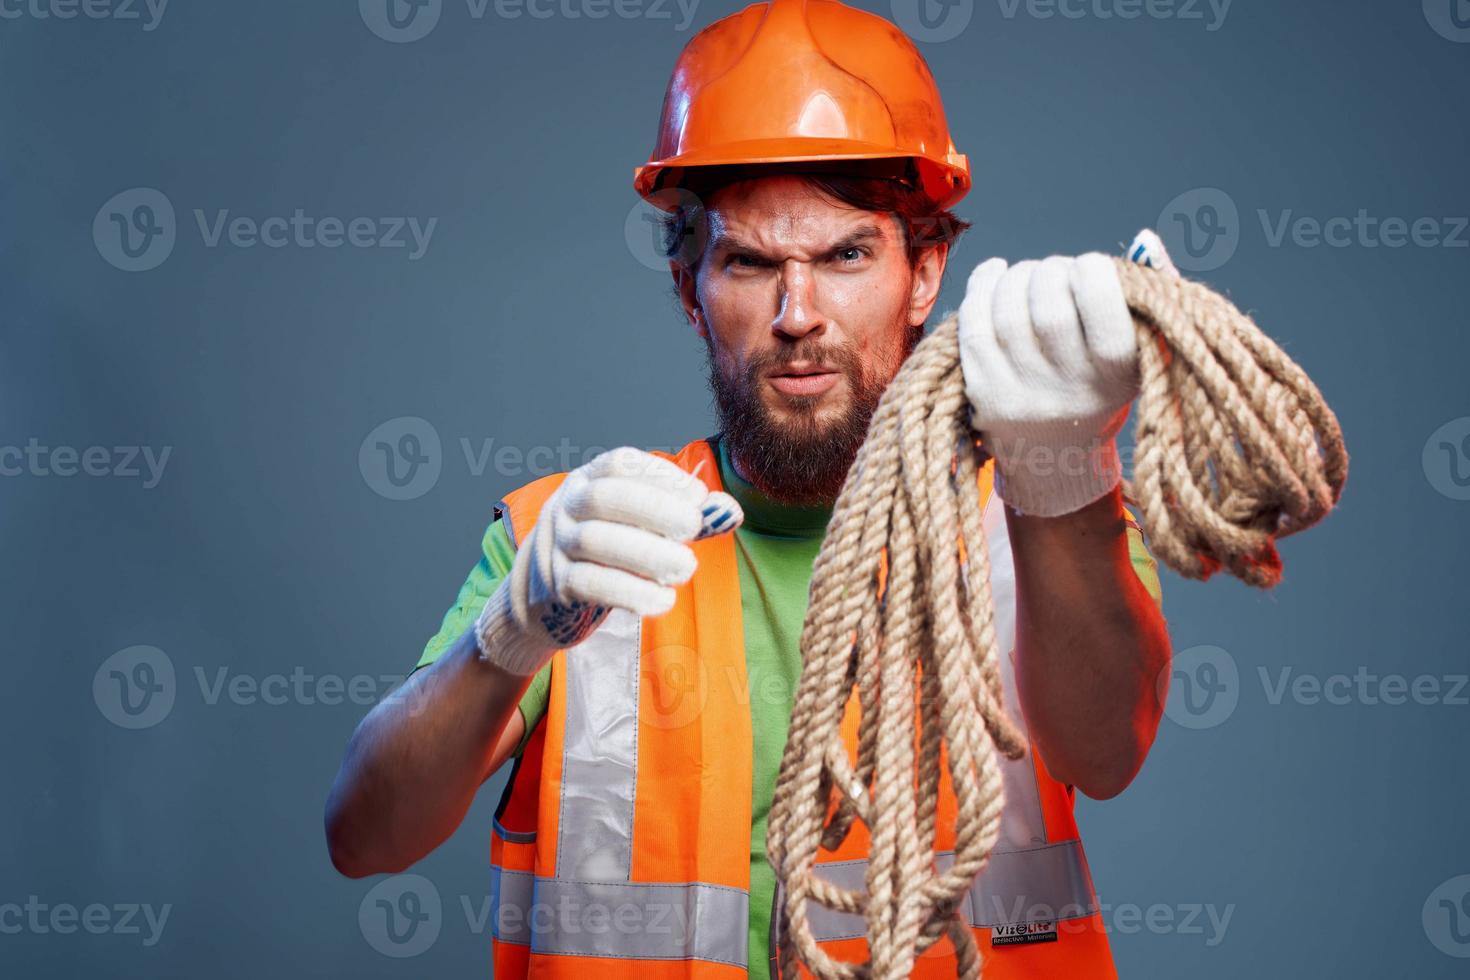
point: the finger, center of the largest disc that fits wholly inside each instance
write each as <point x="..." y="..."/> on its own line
<point x="604" y="586"/>
<point x="628" y="500"/>
<point x="1014" y="331"/>
<point x="1054" y="316"/>
<point x="632" y="549"/>
<point x="719" y="514"/>
<point x="981" y="358"/>
<point x="629" y="463"/>
<point x="1106" y="320"/>
<point x="980" y="288"/>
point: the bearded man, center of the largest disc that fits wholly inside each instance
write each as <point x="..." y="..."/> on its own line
<point x="629" y="636"/>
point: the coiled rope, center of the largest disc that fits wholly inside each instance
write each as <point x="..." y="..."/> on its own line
<point x="1235" y="447"/>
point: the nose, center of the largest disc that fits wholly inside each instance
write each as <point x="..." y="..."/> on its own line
<point x="798" y="314"/>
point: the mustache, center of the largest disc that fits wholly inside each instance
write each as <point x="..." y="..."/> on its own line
<point x="839" y="357"/>
<point x="793" y="460"/>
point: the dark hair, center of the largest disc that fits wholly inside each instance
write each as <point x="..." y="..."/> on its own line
<point x="886" y="186"/>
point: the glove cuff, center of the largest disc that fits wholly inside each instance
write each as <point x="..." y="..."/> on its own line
<point x="1049" y="477"/>
<point x="504" y="642"/>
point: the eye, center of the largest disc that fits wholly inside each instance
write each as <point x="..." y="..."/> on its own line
<point x="851" y="255"/>
<point x="743" y="261"/>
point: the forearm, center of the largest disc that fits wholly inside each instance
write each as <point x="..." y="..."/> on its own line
<point x="414" y="763"/>
<point x="1090" y="641"/>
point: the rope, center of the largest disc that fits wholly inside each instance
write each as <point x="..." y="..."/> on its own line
<point x="1235" y="448"/>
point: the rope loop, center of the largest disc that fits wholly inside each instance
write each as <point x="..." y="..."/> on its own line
<point x="1235" y="448"/>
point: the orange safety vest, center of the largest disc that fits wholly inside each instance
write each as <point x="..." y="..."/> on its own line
<point x="621" y="847"/>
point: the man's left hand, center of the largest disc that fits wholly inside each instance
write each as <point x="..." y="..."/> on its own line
<point x="1050" y="360"/>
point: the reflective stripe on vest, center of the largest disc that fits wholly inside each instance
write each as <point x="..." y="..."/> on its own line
<point x="591" y="907"/>
<point x="625" y="920"/>
<point x="600" y="760"/>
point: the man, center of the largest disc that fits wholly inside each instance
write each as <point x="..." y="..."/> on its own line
<point x="630" y="634"/>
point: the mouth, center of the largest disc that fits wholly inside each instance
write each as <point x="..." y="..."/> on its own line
<point x="803" y="379"/>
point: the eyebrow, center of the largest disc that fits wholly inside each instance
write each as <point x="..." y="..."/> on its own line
<point x="861" y="235"/>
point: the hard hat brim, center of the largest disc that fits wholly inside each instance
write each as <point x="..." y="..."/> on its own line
<point x="945" y="178"/>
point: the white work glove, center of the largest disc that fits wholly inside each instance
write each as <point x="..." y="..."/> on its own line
<point x="1051" y="366"/>
<point x="613" y="534"/>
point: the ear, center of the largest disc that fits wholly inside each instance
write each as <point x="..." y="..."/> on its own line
<point x="687" y="283"/>
<point x="924" y="289"/>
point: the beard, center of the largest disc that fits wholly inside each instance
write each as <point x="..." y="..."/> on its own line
<point x="797" y="458"/>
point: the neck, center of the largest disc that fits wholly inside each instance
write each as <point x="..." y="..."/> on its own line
<point x="764" y="514"/>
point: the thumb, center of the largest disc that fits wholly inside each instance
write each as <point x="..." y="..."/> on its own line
<point x="1148" y="249"/>
<point x="719" y="513"/>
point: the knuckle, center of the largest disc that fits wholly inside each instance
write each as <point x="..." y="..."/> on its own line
<point x="575" y="539"/>
<point x="575" y="503"/>
<point x="595" y="498"/>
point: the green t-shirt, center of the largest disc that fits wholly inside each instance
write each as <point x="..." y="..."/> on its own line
<point x="775" y="547"/>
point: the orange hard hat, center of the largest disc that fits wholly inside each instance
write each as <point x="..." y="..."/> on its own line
<point x="803" y="80"/>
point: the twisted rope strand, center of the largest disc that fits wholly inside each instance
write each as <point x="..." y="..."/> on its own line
<point x="1235" y="448"/>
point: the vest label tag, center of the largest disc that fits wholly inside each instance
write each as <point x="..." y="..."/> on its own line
<point x="1023" y="933"/>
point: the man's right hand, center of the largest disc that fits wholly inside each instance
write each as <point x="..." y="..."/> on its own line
<point x="612" y="535"/>
<point x="615" y="533"/>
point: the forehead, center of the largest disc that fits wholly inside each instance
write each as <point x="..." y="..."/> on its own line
<point x="783" y="211"/>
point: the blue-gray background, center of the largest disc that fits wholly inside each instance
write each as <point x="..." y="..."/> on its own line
<point x="1332" y="835"/>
